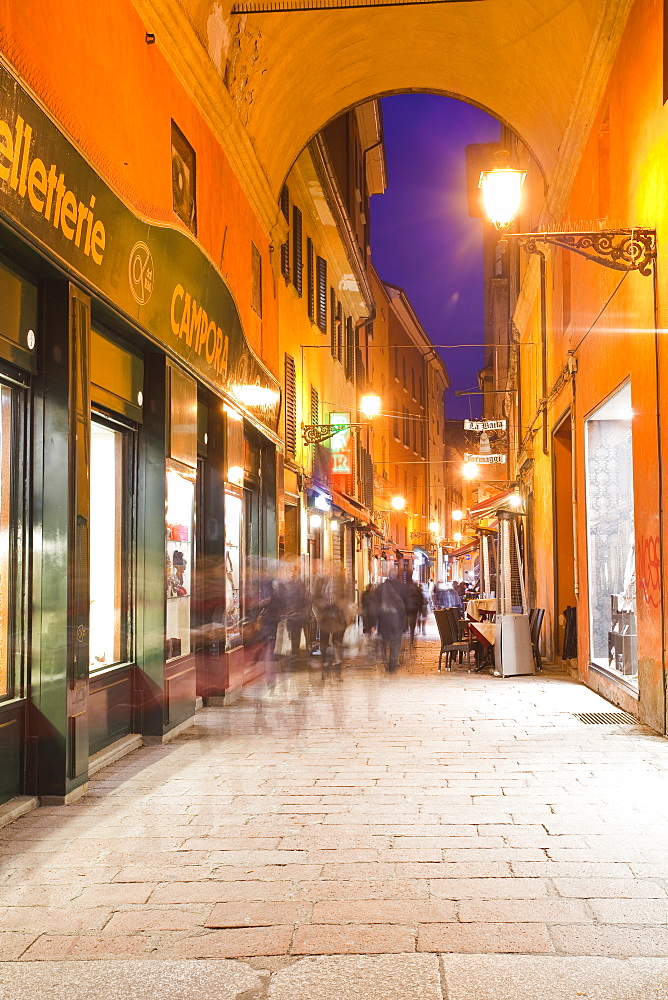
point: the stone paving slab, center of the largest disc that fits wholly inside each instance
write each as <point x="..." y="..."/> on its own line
<point x="219" y="980"/>
<point x="500" y="977"/>
<point x="386" y="977"/>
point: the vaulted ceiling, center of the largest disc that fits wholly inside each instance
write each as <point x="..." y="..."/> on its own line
<point x="535" y="64"/>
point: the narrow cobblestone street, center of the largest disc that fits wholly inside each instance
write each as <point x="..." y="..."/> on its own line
<point x="421" y="835"/>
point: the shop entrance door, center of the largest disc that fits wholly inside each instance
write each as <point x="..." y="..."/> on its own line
<point x="564" y="546"/>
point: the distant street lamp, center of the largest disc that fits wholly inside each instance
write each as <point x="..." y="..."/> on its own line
<point x="370" y="405"/>
<point x="398" y="503"/>
<point x="435" y="527"/>
<point x="469" y="470"/>
<point x="457" y="515"/>
<point x="457" y="536"/>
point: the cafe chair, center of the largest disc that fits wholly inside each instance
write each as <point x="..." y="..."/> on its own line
<point x="536" y="616"/>
<point x="451" y="644"/>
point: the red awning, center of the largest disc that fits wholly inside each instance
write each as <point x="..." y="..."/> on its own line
<point x="486" y="508"/>
<point x="349" y="506"/>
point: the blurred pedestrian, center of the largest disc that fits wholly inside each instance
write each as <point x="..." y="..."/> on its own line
<point x="414" y="607"/>
<point x="391" y="615"/>
<point x="297" y="607"/>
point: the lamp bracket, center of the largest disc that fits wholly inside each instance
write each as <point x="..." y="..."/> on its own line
<point x="315" y="433"/>
<point x="621" y="249"/>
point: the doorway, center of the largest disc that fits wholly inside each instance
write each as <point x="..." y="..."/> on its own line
<point x="564" y="544"/>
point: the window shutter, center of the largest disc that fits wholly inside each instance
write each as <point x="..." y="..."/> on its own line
<point x="297" y="262"/>
<point x="339" y="332"/>
<point x="321" y="294"/>
<point x="290" y="407"/>
<point x="256" y="287"/>
<point x="315" y="411"/>
<point x="350" y="348"/>
<point x="310" y="300"/>
<point x="332" y="322"/>
<point x="285" y="248"/>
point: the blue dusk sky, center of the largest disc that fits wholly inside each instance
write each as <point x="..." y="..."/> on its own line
<point x="422" y="237"/>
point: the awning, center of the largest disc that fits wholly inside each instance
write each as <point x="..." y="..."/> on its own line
<point x="423" y="552"/>
<point x="350" y="506"/>
<point x="464" y="550"/>
<point x="489" y="507"/>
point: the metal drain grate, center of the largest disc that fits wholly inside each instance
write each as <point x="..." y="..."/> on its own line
<point x="606" y="718"/>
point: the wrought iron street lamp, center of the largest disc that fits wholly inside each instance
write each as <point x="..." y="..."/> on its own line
<point x="502" y="190"/>
<point x="631" y="249"/>
<point x="315" y="433"/>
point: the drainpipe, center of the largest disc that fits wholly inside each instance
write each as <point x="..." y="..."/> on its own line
<point x="543" y="343"/>
<point x="660" y="477"/>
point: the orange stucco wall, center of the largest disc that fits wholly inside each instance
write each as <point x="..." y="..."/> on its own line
<point x="116" y="96"/>
<point x="607" y="319"/>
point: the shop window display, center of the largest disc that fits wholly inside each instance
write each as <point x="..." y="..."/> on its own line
<point x="178" y="560"/>
<point x="611" y="537"/>
<point x="233" y="514"/>
<point x="106" y="546"/>
<point x="5" y="539"/>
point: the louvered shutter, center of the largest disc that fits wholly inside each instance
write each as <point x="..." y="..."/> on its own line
<point x="310" y="296"/>
<point x="350" y="348"/>
<point x="339" y="332"/>
<point x="290" y="407"/>
<point x="315" y="412"/>
<point x="332" y="322"/>
<point x="285" y="248"/>
<point x="297" y="262"/>
<point x="321" y="294"/>
<point x="256" y="279"/>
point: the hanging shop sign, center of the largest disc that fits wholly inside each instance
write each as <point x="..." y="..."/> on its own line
<point x="485" y="442"/>
<point x="484" y="425"/>
<point x="341" y="445"/>
<point x="158" y="276"/>
<point x="485" y="459"/>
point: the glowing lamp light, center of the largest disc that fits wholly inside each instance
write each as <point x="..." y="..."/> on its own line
<point x="370" y="406"/>
<point x="501" y="190"/>
<point x="255" y="395"/>
<point x="232" y="413"/>
<point x="315" y="521"/>
<point x="514" y="500"/>
<point x="235" y="475"/>
<point x="457" y="515"/>
<point x="457" y="536"/>
<point x="334" y="525"/>
<point x="321" y="502"/>
<point x="434" y="526"/>
<point x="398" y="503"/>
<point x="470" y="470"/>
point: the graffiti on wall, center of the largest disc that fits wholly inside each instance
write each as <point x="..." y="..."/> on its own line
<point x="649" y="569"/>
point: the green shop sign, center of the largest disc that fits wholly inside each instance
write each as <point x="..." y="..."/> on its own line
<point x="158" y="276"/>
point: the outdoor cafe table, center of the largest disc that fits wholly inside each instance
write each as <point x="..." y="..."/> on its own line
<point x="478" y="605"/>
<point x="484" y="631"/>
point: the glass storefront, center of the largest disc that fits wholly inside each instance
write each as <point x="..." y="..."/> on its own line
<point x="178" y="559"/>
<point x="233" y="583"/>
<point x="107" y="545"/>
<point x="6" y="540"/>
<point x="610" y="536"/>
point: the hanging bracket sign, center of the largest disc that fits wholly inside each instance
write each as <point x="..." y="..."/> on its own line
<point x="485" y="459"/>
<point x="484" y="425"/>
